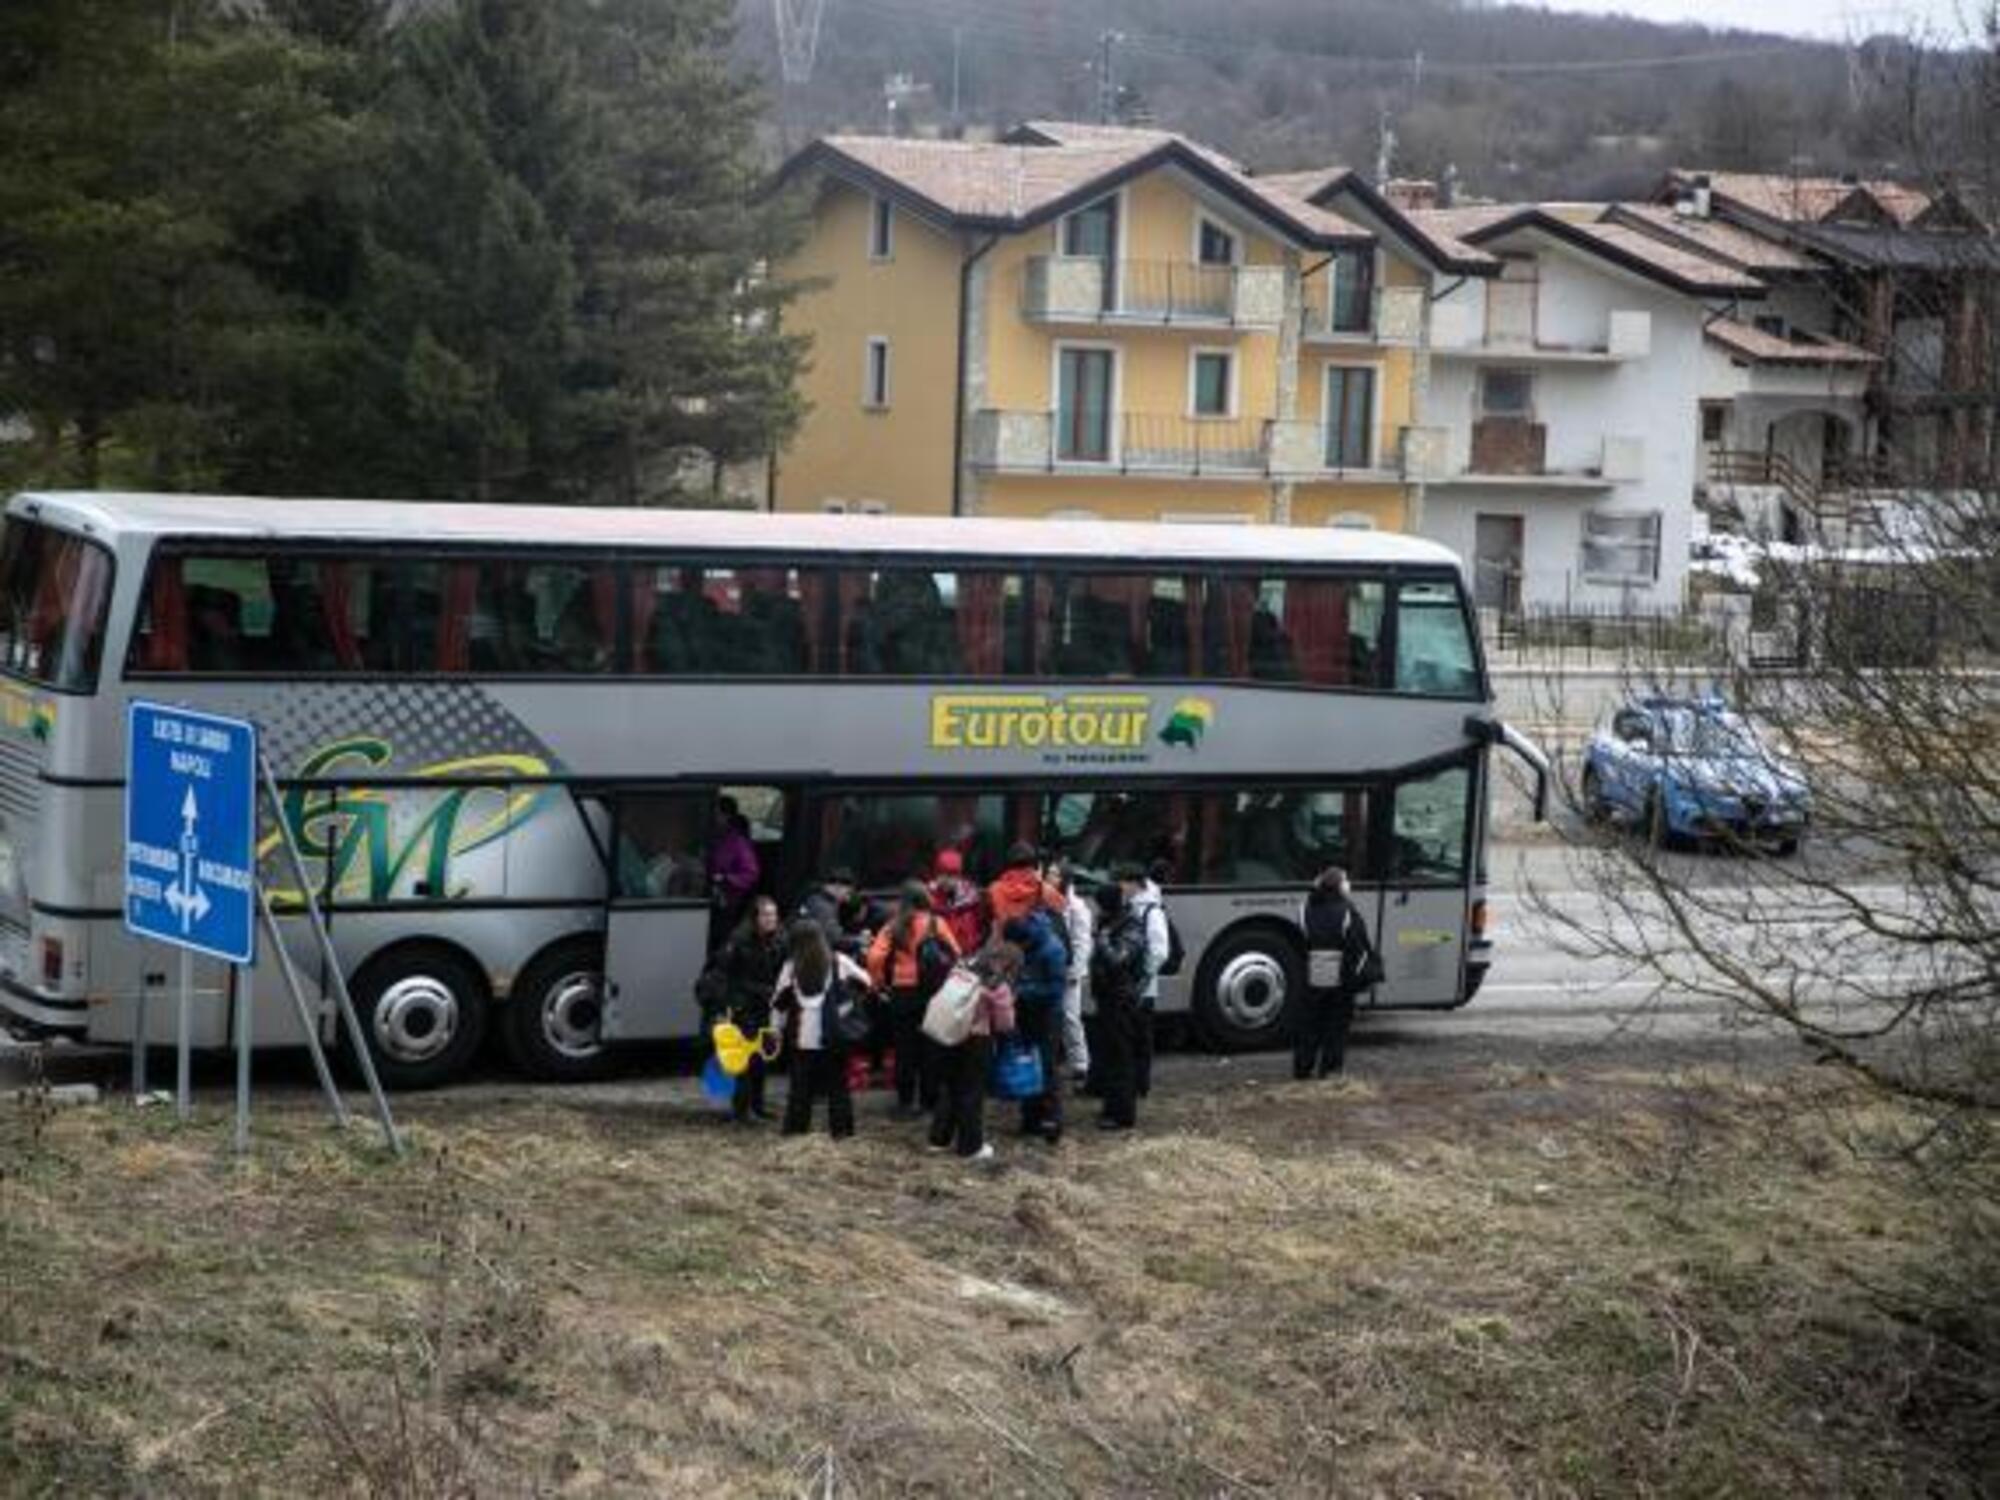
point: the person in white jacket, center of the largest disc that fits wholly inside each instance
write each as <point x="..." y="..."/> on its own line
<point x="1081" y="925"/>
<point x="1143" y="895"/>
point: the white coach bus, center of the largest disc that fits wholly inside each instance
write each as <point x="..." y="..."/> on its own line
<point x="503" y="735"/>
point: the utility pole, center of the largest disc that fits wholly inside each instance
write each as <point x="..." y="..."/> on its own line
<point x="957" y="39"/>
<point x="1107" y="76"/>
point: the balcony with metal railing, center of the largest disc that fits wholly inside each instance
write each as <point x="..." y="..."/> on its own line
<point x="1171" y="446"/>
<point x="1078" y="289"/>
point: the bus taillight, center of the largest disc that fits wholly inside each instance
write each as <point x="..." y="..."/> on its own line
<point x="52" y="960"/>
<point x="1479" y="919"/>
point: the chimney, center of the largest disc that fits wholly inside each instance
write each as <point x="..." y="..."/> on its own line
<point x="1409" y="193"/>
<point x="1448" y="185"/>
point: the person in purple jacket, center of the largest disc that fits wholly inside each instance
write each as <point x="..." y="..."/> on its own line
<point x="732" y="864"/>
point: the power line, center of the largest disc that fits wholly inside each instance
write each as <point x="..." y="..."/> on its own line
<point x="1023" y="35"/>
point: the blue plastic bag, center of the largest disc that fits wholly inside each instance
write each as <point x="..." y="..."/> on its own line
<point x="716" y="1082"/>
<point x="1017" y="1071"/>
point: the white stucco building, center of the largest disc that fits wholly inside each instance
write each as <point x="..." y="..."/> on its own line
<point x="1567" y="393"/>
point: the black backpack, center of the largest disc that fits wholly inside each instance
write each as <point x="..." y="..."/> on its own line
<point x="934" y="962"/>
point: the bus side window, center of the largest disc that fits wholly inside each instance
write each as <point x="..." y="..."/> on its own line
<point x="887" y="840"/>
<point x="1427" y="831"/>
<point x="1434" y="655"/>
<point x="663" y="846"/>
<point x="1317" y="629"/>
<point x="1095" y="832"/>
<point x="1283" y="836"/>
<point x="1094" y="625"/>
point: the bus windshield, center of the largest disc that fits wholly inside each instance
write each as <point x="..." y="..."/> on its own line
<point x="55" y="589"/>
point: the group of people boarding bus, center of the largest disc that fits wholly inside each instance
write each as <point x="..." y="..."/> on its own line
<point x="848" y="987"/>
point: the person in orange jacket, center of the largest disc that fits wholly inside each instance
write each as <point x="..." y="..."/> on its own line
<point x="906" y="959"/>
<point x="1020" y="889"/>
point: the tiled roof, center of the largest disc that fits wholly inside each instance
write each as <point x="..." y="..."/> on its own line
<point x="1715" y="238"/>
<point x="1306" y="184"/>
<point x="1806" y="200"/>
<point x="1763" y="348"/>
<point x="1012" y="185"/>
<point x="1319" y="182"/>
<point x="980" y="180"/>
<point x="1684" y="270"/>
<point x="1688" y="265"/>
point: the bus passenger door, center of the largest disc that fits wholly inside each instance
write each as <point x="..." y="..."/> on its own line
<point x="1420" y="929"/>
<point x="656" y="925"/>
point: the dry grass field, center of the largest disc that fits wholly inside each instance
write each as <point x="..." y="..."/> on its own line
<point x="1502" y="1282"/>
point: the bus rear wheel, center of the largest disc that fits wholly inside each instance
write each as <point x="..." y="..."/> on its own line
<point x="1248" y="984"/>
<point x="552" y="1026"/>
<point x="423" y="1012"/>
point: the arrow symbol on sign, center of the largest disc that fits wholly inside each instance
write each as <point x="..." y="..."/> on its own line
<point x="185" y="898"/>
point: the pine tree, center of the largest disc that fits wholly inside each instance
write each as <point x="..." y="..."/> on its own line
<point x="469" y="281"/>
<point x="684" y="357"/>
<point x="142" y="148"/>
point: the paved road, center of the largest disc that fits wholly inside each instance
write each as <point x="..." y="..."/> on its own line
<point x="1540" y="1003"/>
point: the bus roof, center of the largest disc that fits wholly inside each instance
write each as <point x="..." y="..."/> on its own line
<point x="110" y="515"/>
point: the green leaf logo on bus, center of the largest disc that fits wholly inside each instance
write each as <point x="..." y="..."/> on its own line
<point x="376" y="844"/>
<point x="1188" y="723"/>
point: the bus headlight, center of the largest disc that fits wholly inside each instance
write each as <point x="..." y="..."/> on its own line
<point x="1479" y="919"/>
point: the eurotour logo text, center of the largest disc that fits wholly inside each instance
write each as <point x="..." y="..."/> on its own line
<point x="1039" y="721"/>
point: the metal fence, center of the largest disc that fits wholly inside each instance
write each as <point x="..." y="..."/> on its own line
<point x="1583" y="635"/>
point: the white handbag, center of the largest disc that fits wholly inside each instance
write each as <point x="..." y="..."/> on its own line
<point x="948" y="1016"/>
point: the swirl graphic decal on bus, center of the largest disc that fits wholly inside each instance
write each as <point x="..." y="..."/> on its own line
<point x="379" y="844"/>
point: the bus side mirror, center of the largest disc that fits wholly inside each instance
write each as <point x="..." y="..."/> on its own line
<point x="1494" y="732"/>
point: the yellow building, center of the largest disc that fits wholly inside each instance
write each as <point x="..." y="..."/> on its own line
<point x="1096" y="321"/>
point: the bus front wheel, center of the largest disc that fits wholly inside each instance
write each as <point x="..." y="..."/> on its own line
<point x="1248" y="983"/>
<point x="423" y="1012"/>
<point x="552" y="1021"/>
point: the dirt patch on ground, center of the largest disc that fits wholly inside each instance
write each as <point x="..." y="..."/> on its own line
<point x="1517" y="1279"/>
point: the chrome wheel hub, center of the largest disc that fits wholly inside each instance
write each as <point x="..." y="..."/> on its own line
<point x="416" y="1019"/>
<point x="1250" y="990"/>
<point x="572" y="1012"/>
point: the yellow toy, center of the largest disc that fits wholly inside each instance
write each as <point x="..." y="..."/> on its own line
<point x="733" y="1049"/>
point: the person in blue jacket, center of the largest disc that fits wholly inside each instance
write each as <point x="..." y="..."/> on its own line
<point x="1038" y="1014"/>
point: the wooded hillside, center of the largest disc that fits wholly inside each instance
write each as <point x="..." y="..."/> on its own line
<point x="1523" y="102"/>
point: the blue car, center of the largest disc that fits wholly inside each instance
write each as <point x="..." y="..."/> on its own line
<point x="1689" y="768"/>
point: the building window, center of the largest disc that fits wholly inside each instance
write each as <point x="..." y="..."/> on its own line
<point x="1772" y="324"/>
<point x="1212" y="381"/>
<point x="882" y="230"/>
<point x="1713" y="420"/>
<point x="1351" y="298"/>
<point x="1507" y="393"/>
<point x="1092" y="231"/>
<point x="1084" y="380"/>
<point x="875" y="379"/>
<point x="1214" y="245"/>
<point x="1350" y="416"/>
<point x="1621" y="548"/>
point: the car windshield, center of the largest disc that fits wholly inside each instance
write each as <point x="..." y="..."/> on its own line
<point x="1709" y="734"/>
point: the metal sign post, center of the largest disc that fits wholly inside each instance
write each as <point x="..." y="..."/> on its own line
<point x="190" y="856"/>
<point x="363" y="1057"/>
<point x="183" y="1100"/>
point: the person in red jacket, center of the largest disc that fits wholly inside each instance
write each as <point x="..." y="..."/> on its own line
<point x="1020" y="889"/>
<point x="959" y="903"/>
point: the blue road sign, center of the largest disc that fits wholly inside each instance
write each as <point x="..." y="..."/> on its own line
<point x="191" y="830"/>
